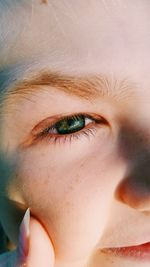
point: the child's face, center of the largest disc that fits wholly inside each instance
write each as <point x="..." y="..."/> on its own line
<point x="89" y="193"/>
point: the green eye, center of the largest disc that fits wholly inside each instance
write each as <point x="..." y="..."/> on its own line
<point x="67" y="128"/>
<point x="70" y="125"/>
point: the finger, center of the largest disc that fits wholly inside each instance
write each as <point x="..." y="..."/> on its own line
<point x="41" y="252"/>
<point x="35" y="247"/>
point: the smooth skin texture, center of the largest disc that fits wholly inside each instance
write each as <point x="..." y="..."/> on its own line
<point x="90" y="193"/>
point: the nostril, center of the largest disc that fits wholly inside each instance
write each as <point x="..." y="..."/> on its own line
<point x="133" y="194"/>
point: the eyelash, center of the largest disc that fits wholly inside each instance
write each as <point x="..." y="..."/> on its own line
<point x="86" y="131"/>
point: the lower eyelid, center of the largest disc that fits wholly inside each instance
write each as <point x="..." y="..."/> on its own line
<point x="54" y="138"/>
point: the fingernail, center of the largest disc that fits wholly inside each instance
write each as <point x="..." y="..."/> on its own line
<point x="24" y="232"/>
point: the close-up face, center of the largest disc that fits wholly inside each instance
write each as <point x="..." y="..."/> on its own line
<point x="75" y="115"/>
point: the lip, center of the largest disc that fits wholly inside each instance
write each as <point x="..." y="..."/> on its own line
<point x="139" y="253"/>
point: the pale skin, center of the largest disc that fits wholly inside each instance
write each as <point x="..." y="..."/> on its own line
<point x="92" y="193"/>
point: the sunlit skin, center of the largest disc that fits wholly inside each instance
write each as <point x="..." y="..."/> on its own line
<point x="90" y="193"/>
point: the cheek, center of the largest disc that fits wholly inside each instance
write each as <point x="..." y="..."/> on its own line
<point x="71" y="199"/>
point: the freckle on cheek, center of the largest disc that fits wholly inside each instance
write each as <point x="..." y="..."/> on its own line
<point x="78" y="179"/>
<point x="44" y="1"/>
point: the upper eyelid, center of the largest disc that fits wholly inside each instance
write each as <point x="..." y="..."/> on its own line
<point x="68" y="117"/>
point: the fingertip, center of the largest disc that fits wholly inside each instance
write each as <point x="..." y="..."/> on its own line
<point x="41" y="251"/>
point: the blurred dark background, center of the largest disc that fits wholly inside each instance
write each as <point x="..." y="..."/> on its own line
<point x="4" y="242"/>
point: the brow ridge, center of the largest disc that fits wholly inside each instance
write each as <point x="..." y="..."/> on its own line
<point x="84" y="86"/>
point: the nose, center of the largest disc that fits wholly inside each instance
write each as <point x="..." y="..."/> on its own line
<point x="134" y="188"/>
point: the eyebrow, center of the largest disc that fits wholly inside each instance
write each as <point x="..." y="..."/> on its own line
<point x="88" y="86"/>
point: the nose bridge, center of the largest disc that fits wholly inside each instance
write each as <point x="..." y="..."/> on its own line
<point x="134" y="188"/>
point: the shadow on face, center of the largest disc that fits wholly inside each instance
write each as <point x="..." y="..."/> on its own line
<point x="134" y="189"/>
<point x="9" y="208"/>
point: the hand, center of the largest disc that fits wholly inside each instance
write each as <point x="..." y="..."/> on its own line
<point x="35" y="248"/>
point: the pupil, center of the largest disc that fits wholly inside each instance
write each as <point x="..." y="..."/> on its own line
<point x="67" y="126"/>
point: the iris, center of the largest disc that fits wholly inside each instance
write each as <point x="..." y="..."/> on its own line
<point x="70" y="125"/>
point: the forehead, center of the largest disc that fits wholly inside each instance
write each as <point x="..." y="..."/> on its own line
<point x="79" y="36"/>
